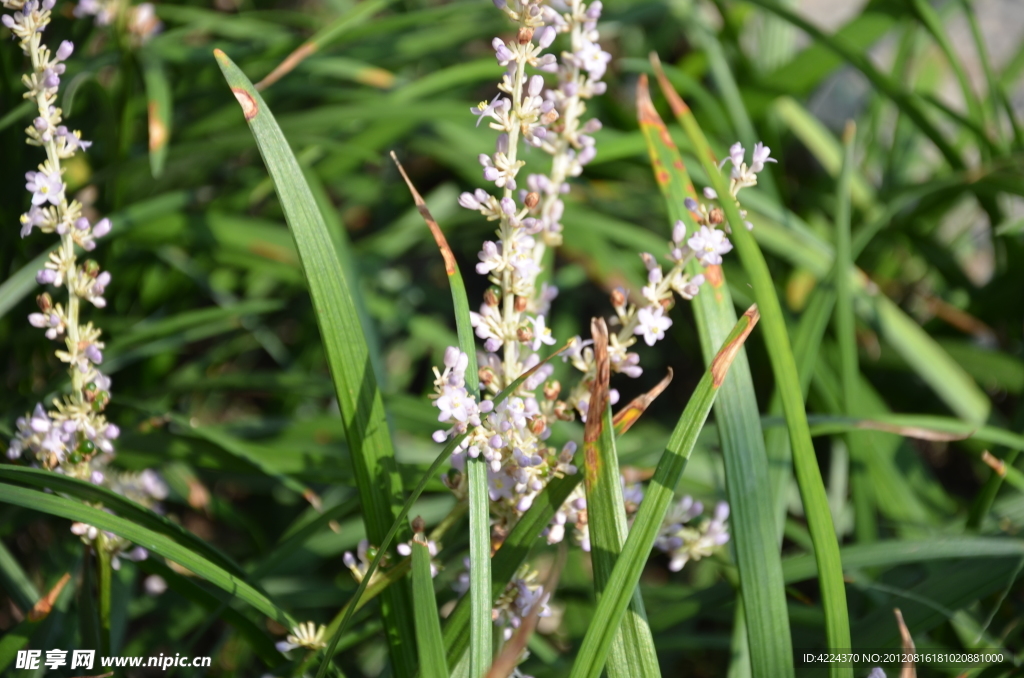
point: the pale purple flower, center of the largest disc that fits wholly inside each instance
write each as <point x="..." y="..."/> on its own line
<point x="541" y="333"/>
<point x="44" y="187"/>
<point x="709" y="244"/>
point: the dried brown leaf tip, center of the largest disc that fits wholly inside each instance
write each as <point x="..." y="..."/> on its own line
<point x="720" y="365"/>
<point x="676" y="102"/>
<point x="450" y="266"/>
<point x="44" y="605"/>
<point x="598" y="400"/>
<point x="628" y="415"/>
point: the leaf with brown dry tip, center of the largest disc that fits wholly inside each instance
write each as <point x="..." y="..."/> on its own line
<point x="621" y="585"/>
<point x="632" y="653"/>
<point x="628" y="415"/>
<point x="737" y="415"/>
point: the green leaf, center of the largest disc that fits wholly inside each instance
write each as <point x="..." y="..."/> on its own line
<point x="359" y="399"/>
<point x="356" y="16"/>
<point x="152" y="541"/>
<point x="385" y="543"/>
<point x="125" y="508"/>
<point x="428" y="624"/>
<point x="632" y="652"/>
<point x="812" y="490"/>
<point x="480" y="655"/>
<point x="509" y="558"/>
<point x="158" y="101"/>
<point x="611" y="607"/>
<point x="738" y="418"/>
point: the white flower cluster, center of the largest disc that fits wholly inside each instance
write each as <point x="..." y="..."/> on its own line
<point x="74" y="438"/>
<point x="684" y="542"/>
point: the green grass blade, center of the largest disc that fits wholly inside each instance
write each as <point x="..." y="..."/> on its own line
<point x="888" y="553"/>
<point x="909" y="103"/>
<point x="359" y="399"/>
<point x="476" y="469"/>
<point x="736" y="412"/>
<point x="780" y="353"/>
<point x="428" y="623"/>
<point x="126" y="508"/>
<point x="509" y="557"/>
<point x="845" y="330"/>
<point x="16" y="584"/>
<point x="611" y="607"/>
<point x="153" y="541"/>
<point x="359" y="14"/>
<point x="632" y="652"/>
<point x="158" y="98"/>
<point x="431" y="473"/>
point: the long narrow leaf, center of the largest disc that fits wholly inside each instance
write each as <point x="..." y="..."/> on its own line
<point x="476" y="469"/>
<point x="780" y="353"/>
<point x="428" y="624"/>
<point x="150" y="540"/>
<point x="736" y="413"/>
<point x="612" y="606"/>
<point x="362" y="408"/>
<point x="632" y="652"/>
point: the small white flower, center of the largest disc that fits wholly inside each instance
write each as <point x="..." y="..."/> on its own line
<point x="652" y="323"/>
<point x="709" y="245"/>
<point x="45" y="187"/>
<point x="541" y="333"/>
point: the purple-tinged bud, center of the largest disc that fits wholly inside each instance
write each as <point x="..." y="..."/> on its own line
<point x="691" y="205"/>
<point x="569" y="88"/>
<point x="439" y="437"/>
<point x="94" y="355"/>
<point x="508" y="206"/>
<point x="65" y="50"/>
<point x="710" y="193"/>
<point x="536" y="85"/>
<point x="111" y="432"/>
<point x="46" y="276"/>
<point x="496" y="442"/>
<point x="678" y="231"/>
<point x="81" y="223"/>
<point x="492" y="345"/>
<point x="101" y="228"/>
<point x="50" y="79"/>
<point x="469" y="201"/>
<point x="546" y="36"/>
<point x="594" y="10"/>
<point x="500" y="4"/>
<point x="491" y="173"/>
<point x="591" y="126"/>
<point x="49" y="4"/>
<point x="96" y="477"/>
<point x="501" y="145"/>
<point x="451" y="356"/>
<point x="547" y="63"/>
<point x="587" y="154"/>
<point x="7" y="20"/>
<point x="40" y="124"/>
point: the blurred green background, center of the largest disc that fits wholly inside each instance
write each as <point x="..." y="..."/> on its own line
<point x="219" y="378"/>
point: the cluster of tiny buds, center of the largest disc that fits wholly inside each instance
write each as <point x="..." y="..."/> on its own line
<point x="73" y="438"/>
<point x="683" y="541"/>
<point x="524" y="593"/>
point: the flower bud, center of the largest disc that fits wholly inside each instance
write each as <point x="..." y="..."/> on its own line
<point x="91" y="268"/>
<point x="65" y="50"/>
<point x="101" y="228"/>
<point x="716" y="216"/>
<point x="546" y="37"/>
<point x="486" y="375"/>
<point x="552" y="389"/>
<point x="491" y="297"/>
<point x="618" y="298"/>
<point x="537" y="424"/>
<point x="418" y="524"/>
<point x="532" y="198"/>
<point x="525" y="35"/>
<point x="45" y="302"/>
<point x="521" y="303"/>
<point x="524" y="334"/>
<point x="46" y="276"/>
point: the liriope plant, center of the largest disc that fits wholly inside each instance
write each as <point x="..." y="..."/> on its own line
<point x="71" y="434"/>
